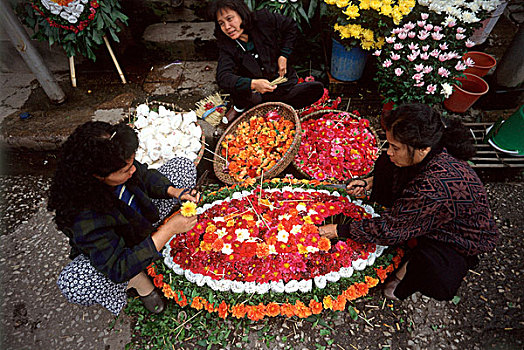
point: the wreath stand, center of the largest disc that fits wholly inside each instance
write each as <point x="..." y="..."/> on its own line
<point x="72" y="64"/>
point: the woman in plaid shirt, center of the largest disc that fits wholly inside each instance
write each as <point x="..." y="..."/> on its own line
<point x="107" y="204"/>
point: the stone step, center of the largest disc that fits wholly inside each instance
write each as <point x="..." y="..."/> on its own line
<point x="186" y="41"/>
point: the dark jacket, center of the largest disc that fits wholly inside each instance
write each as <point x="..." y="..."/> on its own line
<point x="446" y="202"/>
<point x="273" y="35"/>
<point x="119" y="243"/>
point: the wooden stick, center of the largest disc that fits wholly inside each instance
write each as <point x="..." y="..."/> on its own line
<point x="72" y="70"/>
<point x="114" y="60"/>
<point x="216" y="154"/>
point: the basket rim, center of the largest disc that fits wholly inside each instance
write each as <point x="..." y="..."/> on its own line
<point x="314" y="115"/>
<point x="283" y="162"/>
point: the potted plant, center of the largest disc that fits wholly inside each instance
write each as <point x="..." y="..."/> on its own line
<point x="359" y="27"/>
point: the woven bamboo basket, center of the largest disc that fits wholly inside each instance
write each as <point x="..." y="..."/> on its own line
<point x="155" y="104"/>
<point x="319" y="114"/>
<point x="285" y="111"/>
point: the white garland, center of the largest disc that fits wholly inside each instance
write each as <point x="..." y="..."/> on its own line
<point x="165" y="135"/>
<point x="71" y="12"/>
<point x="292" y="286"/>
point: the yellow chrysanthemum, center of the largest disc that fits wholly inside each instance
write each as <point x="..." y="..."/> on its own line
<point x="188" y="209"/>
<point x="342" y="3"/>
<point x="367" y="34"/>
<point x="330" y="2"/>
<point x="396" y="15"/>
<point x="364" y="4"/>
<point x="386" y="10"/>
<point x="375" y="4"/>
<point x="351" y="11"/>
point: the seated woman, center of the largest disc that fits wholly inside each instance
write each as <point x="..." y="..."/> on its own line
<point x="431" y="194"/>
<point x="253" y="51"/>
<point x="103" y="202"/>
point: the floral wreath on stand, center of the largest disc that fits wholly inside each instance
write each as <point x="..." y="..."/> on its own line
<point x="79" y="26"/>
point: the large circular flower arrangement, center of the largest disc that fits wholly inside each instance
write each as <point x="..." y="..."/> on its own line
<point x="77" y="25"/>
<point x="256" y="251"/>
<point x="336" y="146"/>
<point x="257" y="145"/>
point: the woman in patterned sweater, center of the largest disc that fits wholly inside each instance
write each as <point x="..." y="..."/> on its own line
<point x="108" y="204"/>
<point x="431" y="194"/>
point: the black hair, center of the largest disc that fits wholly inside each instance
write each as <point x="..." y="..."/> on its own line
<point x="419" y="126"/>
<point x="94" y="148"/>
<point x="236" y="5"/>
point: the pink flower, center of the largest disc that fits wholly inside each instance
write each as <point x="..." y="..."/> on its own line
<point x="469" y="62"/>
<point x="443" y="72"/>
<point x="419" y="67"/>
<point x="428" y="26"/>
<point x="413" y="46"/>
<point x="411" y="57"/>
<point x="443" y="58"/>
<point x="427" y="69"/>
<point x="377" y="52"/>
<point x="337" y="151"/>
<point x="418" y="77"/>
<point x="461" y="30"/>
<point x="409" y="25"/>
<point x="395" y="57"/>
<point x="443" y="46"/>
<point x="451" y="24"/>
<point x="437" y="36"/>
<point x="435" y="53"/>
<point x="430" y="89"/>
<point x="424" y="56"/>
<point x="470" y="43"/>
<point x="412" y="35"/>
<point x="453" y="54"/>
<point x="422" y="35"/>
<point x="424" y="16"/>
<point x="390" y="40"/>
<point x="421" y="23"/>
<point x="437" y="28"/>
<point x="460" y="36"/>
<point x="419" y="84"/>
<point x="402" y="35"/>
<point x="396" y="30"/>
<point x="425" y="48"/>
<point x="387" y="63"/>
<point x="398" y="46"/>
<point x="460" y="66"/>
<point x="398" y="71"/>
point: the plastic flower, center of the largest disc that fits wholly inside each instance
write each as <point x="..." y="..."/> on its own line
<point x="188" y="209"/>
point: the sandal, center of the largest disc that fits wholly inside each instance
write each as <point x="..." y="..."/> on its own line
<point x="389" y="288"/>
<point x="153" y="302"/>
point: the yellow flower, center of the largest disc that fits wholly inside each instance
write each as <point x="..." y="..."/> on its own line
<point x="396" y="15"/>
<point x="342" y="3"/>
<point x="307" y="220"/>
<point x="330" y="2"/>
<point x="230" y="223"/>
<point x="368" y="36"/>
<point x="386" y="10"/>
<point x="351" y="11"/>
<point x="188" y="209"/>
<point x="375" y="4"/>
<point x="364" y="4"/>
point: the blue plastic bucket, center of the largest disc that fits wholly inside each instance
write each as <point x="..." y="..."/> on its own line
<point x="347" y="65"/>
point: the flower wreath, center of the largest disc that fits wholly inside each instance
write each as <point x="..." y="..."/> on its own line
<point x="276" y="265"/>
<point x="77" y="25"/>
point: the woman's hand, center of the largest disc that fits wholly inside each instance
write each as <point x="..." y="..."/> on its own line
<point x="328" y="231"/>
<point x="262" y="86"/>
<point x="282" y="66"/>
<point x="180" y="223"/>
<point x="358" y="188"/>
<point x="191" y="196"/>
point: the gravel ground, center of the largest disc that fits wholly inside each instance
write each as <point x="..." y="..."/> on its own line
<point x="35" y="315"/>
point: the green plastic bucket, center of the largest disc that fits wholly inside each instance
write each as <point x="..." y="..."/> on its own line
<point x="510" y="135"/>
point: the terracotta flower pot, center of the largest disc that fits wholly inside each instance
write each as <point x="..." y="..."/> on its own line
<point x="465" y="96"/>
<point x="483" y="63"/>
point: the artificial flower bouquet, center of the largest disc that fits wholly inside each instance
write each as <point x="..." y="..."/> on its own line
<point x="337" y="146"/>
<point x="365" y="22"/>
<point x="257" y="145"/>
<point x="422" y="57"/>
<point x="256" y="252"/>
<point x="77" y="25"/>
<point x="165" y="134"/>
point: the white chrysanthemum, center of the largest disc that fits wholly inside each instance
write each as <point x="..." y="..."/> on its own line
<point x="379" y="250"/>
<point x="277" y="287"/>
<point x="194" y="145"/>
<point x="311" y="249"/>
<point x="301" y="207"/>
<point x="190" y="276"/>
<point x="226" y="249"/>
<point x="346" y="272"/>
<point x="333" y="276"/>
<point x="296" y="229"/>
<point x="211" y="283"/>
<point x="224" y="285"/>
<point x="221" y="232"/>
<point x="237" y="287"/>
<point x="142" y="110"/>
<point x="320" y="281"/>
<point x="205" y="280"/>
<point x="178" y="269"/>
<point x="282" y="236"/>
<point x="447" y="89"/>
<point x="305" y="286"/>
<point x="291" y="286"/>
<point x="199" y="279"/>
<point x="242" y="234"/>
<point x="250" y="287"/>
<point x="359" y="264"/>
<point x="263" y="288"/>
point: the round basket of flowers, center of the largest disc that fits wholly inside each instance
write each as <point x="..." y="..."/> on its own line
<point x="260" y="143"/>
<point x="256" y="252"/>
<point x="336" y="146"/>
<point x="164" y="134"/>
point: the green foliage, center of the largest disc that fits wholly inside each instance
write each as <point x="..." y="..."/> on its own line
<point x="299" y="10"/>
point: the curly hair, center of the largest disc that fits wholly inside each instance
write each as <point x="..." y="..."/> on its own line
<point x="419" y="126"/>
<point x="236" y="5"/>
<point x="94" y="148"/>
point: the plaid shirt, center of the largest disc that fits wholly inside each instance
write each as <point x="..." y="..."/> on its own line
<point x="119" y="243"/>
<point x="446" y="202"/>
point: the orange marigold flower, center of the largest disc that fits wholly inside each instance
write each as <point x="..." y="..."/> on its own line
<point x="256" y="313"/>
<point x="351" y="293"/>
<point x="381" y="273"/>
<point x="168" y="292"/>
<point x="222" y="310"/>
<point x="217" y="245"/>
<point x="197" y="303"/>
<point x="238" y="311"/>
<point x="210" y="307"/>
<point x="301" y="249"/>
<point x="272" y="309"/>
<point x="324" y="244"/>
<point x="315" y="306"/>
<point x="207" y="247"/>
<point x="158" y="280"/>
<point x="151" y="270"/>
<point x="301" y="310"/>
<point x="182" y="301"/>
<point x="371" y="282"/>
<point x="262" y="250"/>
<point x="211" y="228"/>
<point x="362" y="289"/>
<point x="188" y="209"/>
<point x="339" y="304"/>
<point x="328" y="302"/>
<point x="287" y="309"/>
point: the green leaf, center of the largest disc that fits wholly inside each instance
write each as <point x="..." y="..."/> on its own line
<point x="352" y="313"/>
<point x="312" y="8"/>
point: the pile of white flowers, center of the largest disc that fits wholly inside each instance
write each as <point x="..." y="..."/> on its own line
<point x="460" y="11"/>
<point x="70" y="12"/>
<point x="166" y="134"/>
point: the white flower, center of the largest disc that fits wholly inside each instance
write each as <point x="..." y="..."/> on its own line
<point x="211" y="283"/>
<point x="282" y="236"/>
<point x="224" y="285"/>
<point x="371" y="259"/>
<point x="237" y="287"/>
<point x="242" y="234"/>
<point x="346" y="272"/>
<point x="301" y="207"/>
<point x="296" y="229"/>
<point x="333" y="276"/>
<point x="469" y="62"/>
<point x="263" y="288"/>
<point x="178" y="269"/>
<point x="320" y="281"/>
<point x="291" y="286"/>
<point x="447" y="90"/>
<point x="305" y="286"/>
<point x="226" y="249"/>
<point x="359" y="264"/>
<point x="277" y="287"/>
<point x="250" y="287"/>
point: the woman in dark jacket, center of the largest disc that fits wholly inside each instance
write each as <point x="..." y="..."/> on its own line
<point x="103" y="202"/>
<point x="253" y="51"/>
<point x="431" y="194"/>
